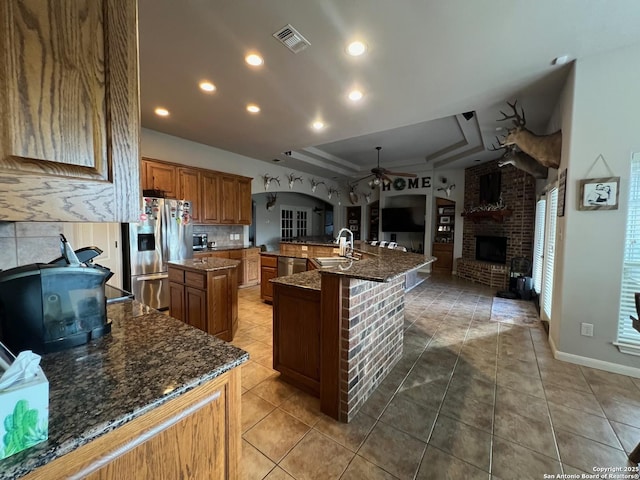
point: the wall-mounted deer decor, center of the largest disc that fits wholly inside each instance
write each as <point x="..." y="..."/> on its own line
<point x="367" y="197"/>
<point x="268" y="179"/>
<point x="314" y="184"/>
<point x="293" y="179"/>
<point x="353" y="193"/>
<point x="271" y="200"/>
<point x="520" y="160"/>
<point x="545" y="149"/>
<point x="332" y="191"/>
<point x="447" y="189"/>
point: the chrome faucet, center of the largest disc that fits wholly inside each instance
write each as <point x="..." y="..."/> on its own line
<point x="349" y="244"/>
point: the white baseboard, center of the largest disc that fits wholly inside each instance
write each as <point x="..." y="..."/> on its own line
<point x="593" y="363"/>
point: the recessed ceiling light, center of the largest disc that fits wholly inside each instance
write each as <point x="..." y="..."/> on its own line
<point x="357" y="48"/>
<point x="161" y="112"/>
<point x="317" y="125"/>
<point x="254" y="59"/>
<point x="207" y="86"/>
<point x="355" y="95"/>
<point x="253" y="108"/>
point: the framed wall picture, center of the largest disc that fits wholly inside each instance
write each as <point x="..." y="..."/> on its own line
<point x="599" y="193"/>
<point x="445" y="219"/>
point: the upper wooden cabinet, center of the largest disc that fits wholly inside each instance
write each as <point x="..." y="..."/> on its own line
<point x="160" y="176"/>
<point x="229" y="211"/>
<point x="209" y="193"/>
<point x="218" y="198"/>
<point x="69" y="111"/>
<point x="244" y="201"/>
<point x="189" y="188"/>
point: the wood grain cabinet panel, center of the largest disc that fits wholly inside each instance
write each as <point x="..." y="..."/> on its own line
<point x="244" y="201"/>
<point x="228" y="199"/>
<point x="176" y="300"/>
<point x="160" y="176"/>
<point x="296" y="336"/>
<point x="193" y="436"/>
<point x="266" y="287"/>
<point x="70" y="120"/>
<point x="189" y="189"/>
<point x="195" y="301"/>
<point x="210" y="198"/>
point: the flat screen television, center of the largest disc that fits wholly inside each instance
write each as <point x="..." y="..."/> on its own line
<point x="405" y="219"/>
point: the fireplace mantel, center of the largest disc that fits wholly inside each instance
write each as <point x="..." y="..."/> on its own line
<point x="495" y="215"/>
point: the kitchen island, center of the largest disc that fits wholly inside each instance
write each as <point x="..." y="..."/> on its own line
<point x="154" y="399"/>
<point x="203" y="292"/>
<point x="338" y="330"/>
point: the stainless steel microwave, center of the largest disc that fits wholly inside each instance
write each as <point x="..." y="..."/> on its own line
<point x="200" y="241"/>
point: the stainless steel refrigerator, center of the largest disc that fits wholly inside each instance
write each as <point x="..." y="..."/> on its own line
<point x="164" y="233"/>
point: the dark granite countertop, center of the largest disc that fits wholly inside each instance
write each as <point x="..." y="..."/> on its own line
<point x="207" y="264"/>
<point x="378" y="264"/>
<point x="309" y="280"/>
<point x="146" y="360"/>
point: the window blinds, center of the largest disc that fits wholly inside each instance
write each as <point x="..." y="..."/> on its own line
<point x="628" y="338"/>
<point x="538" y="245"/>
<point x="549" y="255"/>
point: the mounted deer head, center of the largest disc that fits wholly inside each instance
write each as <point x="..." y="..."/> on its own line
<point x="353" y="194"/>
<point x="268" y="179"/>
<point x="271" y="201"/>
<point x="332" y="191"/>
<point x="520" y="160"/>
<point x="367" y="197"/>
<point x="292" y="179"/>
<point x="314" y="184"/>
<point x="545" y="149"/>
<point x="447" y="189"/>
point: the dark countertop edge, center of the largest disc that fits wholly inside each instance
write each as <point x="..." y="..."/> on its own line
<point x="203" y="265"/>
<point x="373" y="278"/>
<point x="221" y="249"/>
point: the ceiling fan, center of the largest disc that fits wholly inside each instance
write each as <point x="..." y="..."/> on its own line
<point x="381" y="175"/>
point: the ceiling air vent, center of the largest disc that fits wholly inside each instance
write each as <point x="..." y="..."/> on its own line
<point x="292" y="39"/>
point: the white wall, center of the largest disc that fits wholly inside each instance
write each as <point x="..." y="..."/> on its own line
<point x="600" y="119"/>
<point x="268" y="221"/>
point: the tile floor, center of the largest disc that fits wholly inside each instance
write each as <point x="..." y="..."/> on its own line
<point x="470" y="398"/>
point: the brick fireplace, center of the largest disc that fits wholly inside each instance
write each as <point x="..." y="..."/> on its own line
<point x="517" y="189"/>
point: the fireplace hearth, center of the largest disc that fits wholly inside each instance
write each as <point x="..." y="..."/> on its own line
<point x="491" y="249"/>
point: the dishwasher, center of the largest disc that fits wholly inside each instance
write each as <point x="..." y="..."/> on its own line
<point x="291" y="265"/>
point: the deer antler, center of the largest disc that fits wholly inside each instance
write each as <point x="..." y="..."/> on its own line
<point x="518" y="120"/>
<point x="493" y="148"/>
<point x="292" y="179"/>
<point x="267" y="180"/>
<point x="314" y="184"/>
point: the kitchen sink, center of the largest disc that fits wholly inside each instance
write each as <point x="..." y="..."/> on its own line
<point x="333" y="261"/>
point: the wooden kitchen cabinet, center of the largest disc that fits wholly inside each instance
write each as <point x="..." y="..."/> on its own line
<point x="196" y="435"/>
<point x="238" y="255"/>
<point x="229" y="210"/>
<point x="296" y="336"/>
<point x="210" y="198"/>
<point x="160" y="176"/>
<point x="189" y="189"/>
<point x="70" y="122"/>
<point x="209" y="299"/>
<point x="268" y="270"/>
<point x="244" y="201"/>
<point x="218" y="198"/>
<point x="251" y="266"/>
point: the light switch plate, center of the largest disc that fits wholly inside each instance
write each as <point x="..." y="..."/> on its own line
<point x="586" y="329"/>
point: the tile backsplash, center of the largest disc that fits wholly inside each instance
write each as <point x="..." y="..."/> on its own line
<point x="221" y="234"/>
<point x="29" y="242"/>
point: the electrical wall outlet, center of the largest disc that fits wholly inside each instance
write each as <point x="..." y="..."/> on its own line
<point x="231" y="236"/>
<point x="586" y="329"/>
